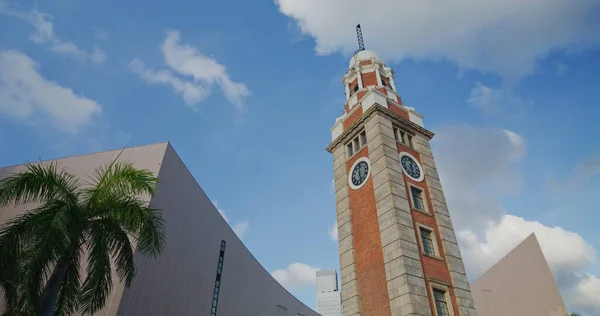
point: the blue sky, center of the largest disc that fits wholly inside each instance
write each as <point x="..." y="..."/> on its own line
<point x="246" y="92"/>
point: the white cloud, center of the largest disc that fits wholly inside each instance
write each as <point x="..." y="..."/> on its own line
<point x="191" y="92"/>
<point x="24" y="92"/>
<point x="239" y="228"/>
<point x="497" y="101"/>
<point x="562" y="249"/>
<point x="44" y="35"/>
<point x="192" y="74"/>
<point x="296" y="275"/>
<point x="98" y="56"/>
<point x="507" y="37"/>
<point x="333" y="231"/>
<point x="476" y="167"/>
<point x="586" y="295"/>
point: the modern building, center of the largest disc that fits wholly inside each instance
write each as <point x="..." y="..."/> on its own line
<point x="520" y="284"/>
<point x="329" y="299"/>
<point x="204" y="269"/>
<point x="398" y="250"/>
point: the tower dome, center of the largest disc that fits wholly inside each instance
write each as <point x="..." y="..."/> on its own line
<point x="363" y="55"/>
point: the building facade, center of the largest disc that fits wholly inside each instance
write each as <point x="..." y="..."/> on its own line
<point x="398" y="251"/>
<point x="520" y="284"/>
<point x="204" y="269"/>
<point x="329" y="300"/>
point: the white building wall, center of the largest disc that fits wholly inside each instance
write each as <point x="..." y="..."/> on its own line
<point x="329" y="303"/>
<point x="329" y="299"/>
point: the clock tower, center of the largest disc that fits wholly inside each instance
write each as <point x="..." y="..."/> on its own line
<point x="398" y="250"/>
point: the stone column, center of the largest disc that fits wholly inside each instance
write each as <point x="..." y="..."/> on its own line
<point x="345" y="237"/>
<point x="406" y="284"/>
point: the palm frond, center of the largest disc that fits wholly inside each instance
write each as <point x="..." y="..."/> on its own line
<point x="119" y="179"/>
<point x="98" y="283"/>
<point x="38" y="183"/>
<point x="120" y="247"/>
<point x="35" y="227"/>
<point x="137" y="219"/>
<point x="38" y="239"/>
<point x="104" y="217"/>
<point x="10" y="295"/>
<point x="67" y="298"/>
<point x="151" y="239"/>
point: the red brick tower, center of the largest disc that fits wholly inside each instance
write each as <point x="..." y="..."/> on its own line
<point x="398" y="251"/>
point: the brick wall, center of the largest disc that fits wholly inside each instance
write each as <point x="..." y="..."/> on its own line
<point x="370" y="270"/>
<point x="432" y="267"/>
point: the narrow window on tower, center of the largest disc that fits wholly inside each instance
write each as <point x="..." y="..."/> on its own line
<point x="441" y="304"/>
<point x="215" y="301"/>
<point x="358" y="142"/>
<point x="402" y="136"/>
<point x="417" y="198"/>
<point x="353" y="88"/>
<point x="427" y="241"/>
<point x="385" y="82"/>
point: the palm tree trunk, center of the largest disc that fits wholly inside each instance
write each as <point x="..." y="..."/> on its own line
<point x="52" y="288"/>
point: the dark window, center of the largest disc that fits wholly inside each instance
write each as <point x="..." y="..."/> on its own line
<point x="356" y="143"/>
<point x="363" y="138"/>
<point x="417" y="196"/>
<point x="402" y="137"/>
<point x="213" y="311"/>
<point x="385" y="82"/>
<point x="427" y="240"/>
<point x="440" y="303"/>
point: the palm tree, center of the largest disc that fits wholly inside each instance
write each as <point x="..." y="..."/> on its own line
<point x="41" y="251"/>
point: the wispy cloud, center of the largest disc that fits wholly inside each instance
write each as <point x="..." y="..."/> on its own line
<point x="333" y="231"/>
<point x="561" y="68"/>
<point x="191" y="74"/>
<point x="584" y="171"/>
<point x="45" y="35"/>
<point x="239" y="228"/>
<point x="191" y="92"/>
<point x="296" y="275"/>
<point x="25" y="92"/>
<point x="495" y="101"/>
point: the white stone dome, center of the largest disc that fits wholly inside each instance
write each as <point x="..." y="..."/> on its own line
<point x="363" y="55"/>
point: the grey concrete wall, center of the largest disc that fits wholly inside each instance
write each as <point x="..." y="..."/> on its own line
<point x="520" y="284"/>
<point x="181" y="280"/>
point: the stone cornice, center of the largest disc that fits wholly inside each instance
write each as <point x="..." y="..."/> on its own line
<point x="406" y="124"/>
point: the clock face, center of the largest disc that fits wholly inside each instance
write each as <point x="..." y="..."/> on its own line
<point x="411" y="167"/>
<point x="359" y="173"/>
